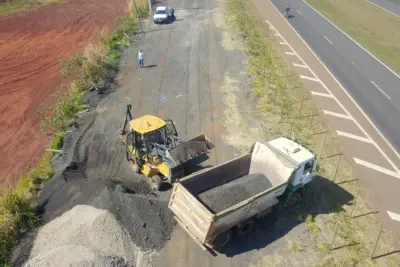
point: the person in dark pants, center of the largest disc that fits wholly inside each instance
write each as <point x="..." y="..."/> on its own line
<point x="141" y="58"/>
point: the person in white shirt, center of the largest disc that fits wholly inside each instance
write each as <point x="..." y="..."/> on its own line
<point x="141" y="57"/>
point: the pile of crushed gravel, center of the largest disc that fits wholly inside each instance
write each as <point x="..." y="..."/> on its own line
<point x="85" y="236"/>
<point x="147" y="219"/>
<point x="224" y="196"/>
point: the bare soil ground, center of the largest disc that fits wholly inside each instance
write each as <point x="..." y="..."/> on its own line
<point x="31" y="47"/>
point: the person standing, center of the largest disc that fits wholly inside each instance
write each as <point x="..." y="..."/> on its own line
<point x="141" y="57"/>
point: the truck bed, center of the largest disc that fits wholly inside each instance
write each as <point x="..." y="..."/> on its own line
<point x="229" y="194"/>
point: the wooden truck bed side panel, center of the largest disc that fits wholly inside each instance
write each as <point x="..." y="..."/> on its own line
<point x="196" y="218"/>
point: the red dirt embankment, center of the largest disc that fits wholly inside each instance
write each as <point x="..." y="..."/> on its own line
<point x="31" y="46"/>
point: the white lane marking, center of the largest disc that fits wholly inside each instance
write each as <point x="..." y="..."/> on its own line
<point x="299" y="12"/>
<point x="309" y="78"/>
<point x="277" y="34"/>
<point x="328" y="40"/>
<point x="348" y="95"/>
<point x="353" y="136"/>
<point x="300" y="65"/>
<point x="290" y="53"/>
<point x="377" y="59"/>
<point x="393" y="215"/>
<point x="282" y="43"/>
<point x="377" y="168"/>
<point x="321" y="94"/>
<point x="380" y="89"/>
<point x="342" y="116"/>
<point x="387" y="10"/>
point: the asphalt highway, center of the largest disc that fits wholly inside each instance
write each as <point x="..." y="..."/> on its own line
<point x="372" y="85"/>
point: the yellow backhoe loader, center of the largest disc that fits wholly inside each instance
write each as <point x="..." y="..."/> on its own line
<point x="155" y="150"/>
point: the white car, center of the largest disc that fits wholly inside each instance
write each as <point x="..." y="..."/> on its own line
<point x="163" y="15"/>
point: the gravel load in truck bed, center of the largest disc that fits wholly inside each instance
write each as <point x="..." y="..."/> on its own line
<point x="224" y="196"/>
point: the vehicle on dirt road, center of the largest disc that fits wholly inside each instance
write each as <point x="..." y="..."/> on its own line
<point x="213" y="204"/>
<point x="164" y="15"/>
<point x="153" y="147"/>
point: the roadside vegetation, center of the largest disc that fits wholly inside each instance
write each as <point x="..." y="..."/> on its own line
<point x="337" y="235"/>
<point x="10" y="7"/>
<point x="372" y="27"/>
<point x="96" y="66"/>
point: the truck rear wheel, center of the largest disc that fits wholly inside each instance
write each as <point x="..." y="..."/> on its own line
<point x="244" y="228"/>
<point x="222" y="239"/>
<point x="294" y="199"/>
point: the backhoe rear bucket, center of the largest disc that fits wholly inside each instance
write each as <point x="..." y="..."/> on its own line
<point x="191" y="149"/>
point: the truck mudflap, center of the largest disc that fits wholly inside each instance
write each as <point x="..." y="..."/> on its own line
<point x="191" y="149"/>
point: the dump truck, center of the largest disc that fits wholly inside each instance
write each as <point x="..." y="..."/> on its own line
<point x="153" y="147"/>
<point x="213" y="204"/>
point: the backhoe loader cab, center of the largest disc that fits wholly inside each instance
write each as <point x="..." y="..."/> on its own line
<point x="155" y="150"/>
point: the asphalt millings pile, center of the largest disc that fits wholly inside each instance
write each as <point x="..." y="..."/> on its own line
<point x="147" y="219"/>
<point x="227" y="195"/>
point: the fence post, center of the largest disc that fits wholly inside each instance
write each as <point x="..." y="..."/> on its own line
<point x="336" y="169"/>
<point x="286" y="77"/>
<point x="137" y="16"/>
<point x="301" y="105"/>
<point x="334" y="235"/>
<point x="311" y="121"/>
<point x="355" y="201"/>
<point x="291" y="129"/>
<point x="322" y="146"/>
<point x="376" y="243"/>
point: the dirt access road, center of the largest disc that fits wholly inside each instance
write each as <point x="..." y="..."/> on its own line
<point x="31" y="46"/>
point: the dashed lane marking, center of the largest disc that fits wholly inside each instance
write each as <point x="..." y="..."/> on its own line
<point x="342" y="116"/>
<point x="321" y="94"/>
<point x="309" y="78"/>
<point x="377" y="168"/>
<point x="393" y="215"/>
<point x="329" y="41"/>
<point x="277" y="34"/>
<point x="282" y="43"/>
<point x="299" y="12"/>
<point x="355" y="137"/>
<point x="300" y="65"/>
<point x="290" y="53"/>
<point x="388" y="97"/>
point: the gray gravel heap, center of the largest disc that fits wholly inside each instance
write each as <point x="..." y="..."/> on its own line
<point x="85" y="236"/>
<point x="224" y="196"/>
<point x="147" y="219"/>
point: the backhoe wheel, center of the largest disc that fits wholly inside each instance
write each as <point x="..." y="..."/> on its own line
<point x="294" y="199"/>
<point x="157" y="181"/>
<point x="244" y="228"/>
<point x="222" y="239"/>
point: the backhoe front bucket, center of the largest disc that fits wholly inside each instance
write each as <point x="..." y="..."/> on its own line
<point x="191" y="149"/>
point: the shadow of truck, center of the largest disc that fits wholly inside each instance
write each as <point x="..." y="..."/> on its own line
<point x="281" y="221"/>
